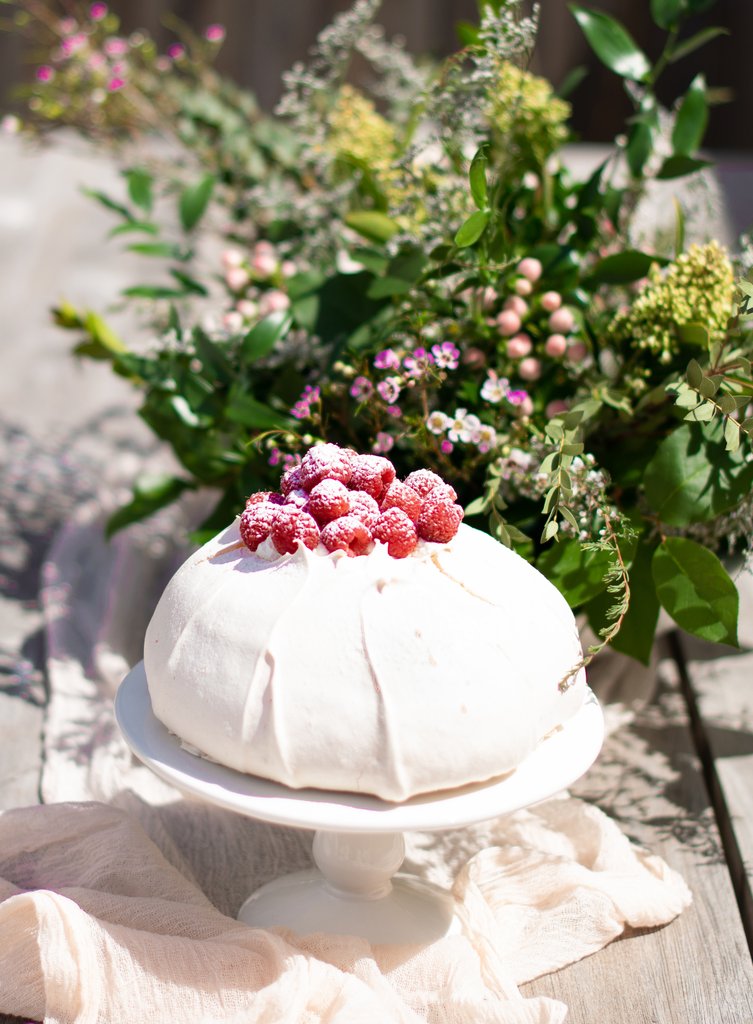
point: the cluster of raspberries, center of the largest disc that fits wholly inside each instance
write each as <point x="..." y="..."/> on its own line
<point x="347" y="501"/>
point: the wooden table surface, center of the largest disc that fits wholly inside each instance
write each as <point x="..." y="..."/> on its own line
<point x="677" y="778"/>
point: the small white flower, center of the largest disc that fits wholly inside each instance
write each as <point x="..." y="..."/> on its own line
<point x="437" y="422"/>
<point x="494" y="389"/>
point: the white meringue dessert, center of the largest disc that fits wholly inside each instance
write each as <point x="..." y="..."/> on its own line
<point x="372" y="674"/>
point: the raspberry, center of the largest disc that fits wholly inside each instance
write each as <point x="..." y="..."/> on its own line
<point x="325" y="462"/>
<point x="363" y="507"/>
<point x="346" y="534"/>
<point x="373" y="474"/>
<point x="256" y="523"/>
<point x="260" y="496"/>
<point x="298" y="497"/>
<point x="291" y="479"/>
<point x="422" y="481"/>
<point x="399" y="495"/>
<point x="395" y="529"/>
<point x="439" y="518"/>
<point x="290" y="527"/>
<point x="328" y="500"/>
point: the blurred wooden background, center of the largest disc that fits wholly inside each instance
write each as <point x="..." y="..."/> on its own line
<point x="264" y="37"/>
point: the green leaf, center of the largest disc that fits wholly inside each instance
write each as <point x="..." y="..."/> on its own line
<point x="636" y="635"/>
<point x="694" y="588"/>
<point x="679" y="226"/>
<point x="140" y="188"/>
<point x="477" y="506"/>
<point x="477" y="178"/>
<point x="666" y="12"/>
<point x="104" y="200"/>
<point x="190" y="284"/>
<point x="612" y="43"/>
<point x="571" y="81"/>
<point x="691" y="478"/>
<point x="263" y="337"/>
<point x="149" y="495"/>
<point x="679" y="166"/>
<point x="165" y="250"/>
<point x="102" y="334"/>
<point x="194" y="200"/>
<point x="691" y="44"/>
<point x="694" y="333"/>
<point x="578" y="574"/>
<point x="623" y="267"/>
<point x="467" y="33"/>
<point x="694" y="373"/>
<point x="133" y="226"/>
<point x="472" y="229"/>
<point x="691" y="119"/>
<point x="372" y="224"/>
<point x="247" y="410"/>
<point x="149" y="291"/>
<point x="731" y="435"/>
<point x="638" y="148"/>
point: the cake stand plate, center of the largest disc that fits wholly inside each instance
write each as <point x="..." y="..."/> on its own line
<point x="358" y="841"/>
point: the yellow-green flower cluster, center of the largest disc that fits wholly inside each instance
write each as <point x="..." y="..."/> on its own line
<point x="357" y="131"/>
<point x="697" y="288"/>
<point x="527" y="115"/>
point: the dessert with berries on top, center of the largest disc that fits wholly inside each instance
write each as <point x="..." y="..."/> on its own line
<point x="350" y="633"/>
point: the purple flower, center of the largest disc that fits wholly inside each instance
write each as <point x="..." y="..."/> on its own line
<point x="446" y="447"/>
<point x="214" y="33"/>
<point x="45" y="73"/>
<point x="302" y="408"/>
<point x="361" y="389"/>
<point x="97" y="11"/>
<point x="176" y="51"/>
<point x="387" y="359"/>
<point x="446" y="355"/>
<point x="517" y="397"/>
<point x="395" y="411"/>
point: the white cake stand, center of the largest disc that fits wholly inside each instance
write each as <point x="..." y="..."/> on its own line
<point x="358" y="843"/>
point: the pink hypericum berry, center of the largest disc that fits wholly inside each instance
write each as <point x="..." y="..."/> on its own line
<point x="517" y="305"/>
<point x="523" y="286"/>
<point x="530" y="368"/>
<point x="328" y="500"/>
<point x="508" y="322"/>
<point x="555" y="407"/>
<point x="561" y="321"/>
<point x="263" y="263"/>
<point x="519" y="346"/>
<point x="326" y="462"/>
<point x="236" y="278"/>
<point x="292" y="526"/>
<point x="400" y="495"/>
<point x="347" y="534"/>
<point x="555" y="345"/>
<point x="363" y="507"/>
<point x="291" y="479"/>
<point x="422" y="481"/>
<point x="551" y="301"/>
<point x="576" y="352"/>
<point x="530" y="268"/>
<point x="273" y="301"/>
<point x="395" y="529"/>
<point x="256" y="523"/>
<point x="373" y="474"/>
<point x="439" y="518"/>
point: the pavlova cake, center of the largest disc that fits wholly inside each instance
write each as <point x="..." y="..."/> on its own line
<point x="350" y="633"/>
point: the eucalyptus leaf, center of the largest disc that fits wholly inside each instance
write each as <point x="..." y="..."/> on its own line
<point x="679" y="166"/>
<point x="194" y="200"/>
<point x="477" y="178"/>
<point x="691" y="119"/>
<point x="692" y="43"/>
<point x="372" y="224"/>
<point x="472" y="229"/>
<point x="666" y="12"/>
<point x="694" y="588"/>
<point x="612" y="43"/>
<point x="263" y="337"/>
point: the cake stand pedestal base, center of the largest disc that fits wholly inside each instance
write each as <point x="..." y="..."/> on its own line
<point x="355" y="890"/>
<point x="358" y="841"/>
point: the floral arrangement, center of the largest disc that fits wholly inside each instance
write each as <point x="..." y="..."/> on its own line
<point x="409" y="267"/>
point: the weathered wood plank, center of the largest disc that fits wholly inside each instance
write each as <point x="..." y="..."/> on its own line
<point x="698" y="968"/>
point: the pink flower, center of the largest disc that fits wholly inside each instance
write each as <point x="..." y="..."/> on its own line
<point x="446" y="447"/>
<point x="517" y="397"/>
<point x="115" y="47"/>
<point x="383" y="442"/>
<point x="45" y="73"/>
<point x="361" y="389"/>
<point x="387" y="359"/>
<point x="302" y="408"/>
<point x="176" y="51"/>
<point x="555" y="407"/>
<point x="114" y="84"/>
<point x="97" y="11"/>
<point x="389" y="389"/>
<point x="446" y="355"/>
<point x="523" y="286"/>
<point x="418" y="362"/>
<point x="263" y="262"/>
<point x="395" y="411"/>
<point x="71" y="44"/>
<point x="214" y="33"/>
<point x="96" y="61"/>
